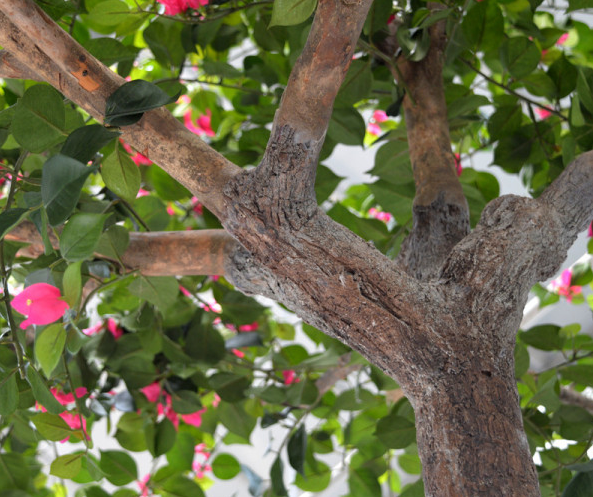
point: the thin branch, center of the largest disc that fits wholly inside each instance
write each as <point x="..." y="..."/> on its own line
<point x="38" y="43"/>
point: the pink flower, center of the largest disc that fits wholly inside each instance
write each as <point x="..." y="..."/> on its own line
<point x="374" y="129"/>
<point x="249" y="327"/>
<point x="93" y="330"/>
<point x="203" y="124"/>
<point x="142" y="484"/>
<point x="142" y="193"/>
<point x="458" y="166"/>
<point x="137" y="157"/>
<point x="152" y="391"/>
<point x="562" y="39"/>
<point x="170" y="209"/>
<point x="380" y="215"/>
<point x="563" y="286"/>
<point x="194" y="419"/>
<point x="68" y="398"/>
<point x="216" y="400"/>
<point x="197" y="207"/>
<point x="543" y="113"/>
<point x="185" y="291"/>
<point x="114" y="329"/>
<point x="201" y="467"/>
<point x="173" y="7"/>
<point x="41" y="303"/>
<point x="590" y="232"/>
<point x="238" y="353"/>
<point x="380" y="116"/>
<point x="290" y="376"/>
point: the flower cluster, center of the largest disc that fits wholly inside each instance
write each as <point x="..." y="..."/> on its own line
<point x="155" y="393"/>
<point x="173" y="7"/>
<point x="380" y="215"/>
<point x="203" y="125"/>
<point x="379" y="116"/>
<point x="562" y="285"/>
<point x="41" y="303"/>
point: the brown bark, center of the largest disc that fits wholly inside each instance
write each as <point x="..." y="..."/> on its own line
<point x="447" y="335"/>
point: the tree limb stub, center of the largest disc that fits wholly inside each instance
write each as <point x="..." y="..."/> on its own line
<point x="36" y="41"/>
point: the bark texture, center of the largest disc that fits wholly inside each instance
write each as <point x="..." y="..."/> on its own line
<point x="442" y="319"/>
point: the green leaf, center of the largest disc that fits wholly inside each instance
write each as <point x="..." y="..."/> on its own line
<point x="163" y="37"/>
<point x="225" y="466"/>
<point x="579" y="373"/>
<point x="235" y="419"/>
<point x="230" y="386"/>
<point x="543" y="337"/>
<point x="357" y="84"/>
<point x="277" y="477"/>
<point x="581" y="485"/>
<point x="83" y="143"/>
<point x="564" y="75"/>
<point x="119" y="467"/>
<point x="238" y="308"/>
<point x="39" y="119"/>
<point x="167" y="187"/>
<point x="72" y="284"/>
<point x="291" y="12"/>
<point x="204" y="343"/>
<point x="41" y="392"/>
<point x="160" y="437"/>
<point x="113" y="242"/>
<point x="585" y="87"/>
<point x="9" y="393"/>
<point x="316" y="478"/>
<point x="81" y="235"/>
<point x="158" y="290"/>
<point x="520" y="56"/>
<point x="10" y="218"/>
<point x="66" y="466"/>
<point x="325" y="183"/>
<point x="121" y="175"/>
<point x="395" y="432"/>
<point x="579" y="5"/>
<point x="363" y="483"/>
<point x="180" y="457"/>
<point x="346" y="126"/>
<point x="108" y="13"/>
<point x="222" y="69"/>
<point x="126" y="105"/>
<point x="296" y="448"/>
<point x="61" y="183"/>
<point x="49" y="345"/>
<point x="14" y="472"/>
<point x="483" y="25"/>
<point x="504" y="121"/>
<point x="180" y="486"/>
<point x="51" y="426"/>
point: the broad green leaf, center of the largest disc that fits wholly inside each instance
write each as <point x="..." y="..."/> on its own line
<point x="357" y="84"/>
<point x="225" y="466"/>
<point x="113" y="242"/>
<point x="49" y="345"/>
<point x="504" y="121"/>
<point x="316" y="477"/>
<point x="180" y="457"/>
<point x="395" y="432"/>
<point x="346" y="126"/>
<point x="160" y="437"/>
<point x="579" y="373"/>
<point x="396" y="199"/>
<point x="238" y="308"/>
<point x="520" y="56"/>
<point x="51" y="426"/>
<point x="119" y="467"/>
<point x="83" y="143"/>
<point x="163" y="37"/>
<point x="581" y="485"/>
<point x="181" y="486"/>
<point x="483" y="25"/>
<point x="66" y="466"/>
<point x="543" y="337"/>
<point x="325" y="183"/>
<point x="579" y="5"/>
<point x="230" y="386"/>
<point x="110" y="51"/>
<point x="185" y="402"/>
<point x="363" y="483"/>
<point x="564" y="75"/>
<point x="127" y="104"/>
<point x="277" y="477"/>
<point x="39" y="119"/>
<point x="235" y="419"/>
<point x="221" y="69"/>
<point x="61" y="183"/>
<point x="10" y="218"/>
<point x="81" y="235"/>
<point x="121" y="175"/>
<point x="15" y="472"/>
<point x="41" y="392"/>
<point x="204" y="343"/>
<point x="291" y="12"/>
<point x="167" y="187"/>
<point x="9" y="393"/>
<point x="158" y="290"/>
<point x="72" y="283"/>
<point x="108" y="13"/>
<point x="296" y="448"/>
<point x="585" y="87"/>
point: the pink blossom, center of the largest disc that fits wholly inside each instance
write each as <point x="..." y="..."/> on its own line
<point x="170" y="209"/>
<point x="137" y="157"/>
<point x="93" y="330"/>
<point x="183" y="99"/>
<point x="380" y="215"/>
<point x="458" y="166"/>
<point x="152" y="391"/>
<point x="543" y="113"/>
<point x="562" y="285"/>
<point x="114" y="329"/>
<point x="142" y="484"/>
<point x="197" y="207"/>
<point x="380" y="116"/>
<point x="194" y="419"/>
<point x="249" y="327"/>
<point x="185" y="291"/>
<point x="41" y="303"/>
<point x="562" y="39"/>
<point x="212" y="307"/>
<point x="201" y="467"/>
<point x="214" y="277"/>
<point x="68" y="398"/>
<point x="142" y="193"/>
<point x="173" y="7"/>
<point x="374" y="129"/>
<point x="203" y="124"/>
<point x="216" y="400"/>
<point x="590" y="232"/>
<point x="290" y="376"/>
<point x="238" y="353"/>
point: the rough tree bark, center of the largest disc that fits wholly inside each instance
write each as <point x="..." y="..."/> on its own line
<point x="441" y="320"/>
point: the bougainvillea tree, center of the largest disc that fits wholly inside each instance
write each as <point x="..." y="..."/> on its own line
<point x="162" y="162"/>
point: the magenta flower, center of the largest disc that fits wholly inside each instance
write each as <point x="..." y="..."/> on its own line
<point x="196" y="206"/>
<point x="290" y="377"/>
<point x="41" y="303"/>
<point x="114" y="329"/>
<point x="563" y="286"/>
<point x="173" y="7"/>
<point x="590" y="232"/>
<point x="458" y="166"/>
<point x="380" y="215"/>
<point x="142" y="484"/>
<point x="68" y="398"/>
<point x="154" y="393"/>
<point x="137" y="157"/>
<point x="200" y="467"/>
<point x="543" y="113"/>
<point x="562" y="39"/>
<point x="249" y="327"/>
<point x="203" y="124"/>
<point x="374" y="129"/>
<point x="380" y="116"/>
<point x="238" y="353"/>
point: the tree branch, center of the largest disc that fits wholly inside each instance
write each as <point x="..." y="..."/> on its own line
<point x="37" y="42"/>
<point x="10" y="67"/>
<point x="440" y="211"/>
